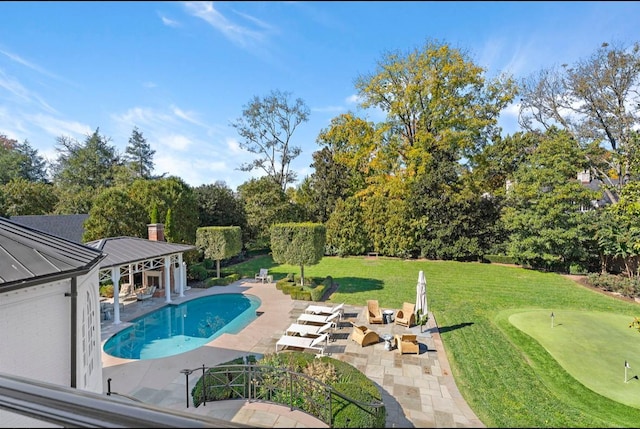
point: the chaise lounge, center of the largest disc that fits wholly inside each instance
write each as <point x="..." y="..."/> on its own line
<point x="302" y="343"/>
<point x="146" y="293"/>
<point x="318" y="319"/>
<point x="308" y="330"/>
<point x="319" y="309"/>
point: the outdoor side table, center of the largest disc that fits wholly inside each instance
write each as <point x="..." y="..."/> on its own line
<point x="387" y="341"/>
<point x="387" y="316"/>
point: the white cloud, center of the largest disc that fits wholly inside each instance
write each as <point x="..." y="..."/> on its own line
<point x="59" y="127"/>
<point x="234" y="146"/>
<point x="240" y="35"/>
<point x="353" y="99"/>
<point x="168" y="21"/>
<point x="175" y="141"/>
<point x="141" y="116"/>
<point x="28" y="64"/>
<point x="149" y="84"/>
<point x="15" y="88"/>
<point x="187" y="116"/>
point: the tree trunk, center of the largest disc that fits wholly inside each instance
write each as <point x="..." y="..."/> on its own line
<point x="301" y="275"/>
<point x="218" y="267"/>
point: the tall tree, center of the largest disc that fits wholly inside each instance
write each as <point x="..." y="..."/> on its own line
<point x="596" y="100"/>
<point x="218" y="205"/>
<point x="20" y="160"/>
<point x="91" y="164"/>
<point x="114" y="214"/>
<point x="22" y="197"/>
<point x="10" y="159"/>
<point x="346" y="232"/>
<point x="441" y="111"/>
<point x="435" y="98"/>
<point x="169" y="192"/>
<point x="548" y="214"/>
<point x="266" y="127"/>
<point x="265" y="203"/>
<point x="139" y="155"/>
<point x="33" y="166"/>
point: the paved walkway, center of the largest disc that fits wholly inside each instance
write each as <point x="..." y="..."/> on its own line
<point x="418" y="390"/>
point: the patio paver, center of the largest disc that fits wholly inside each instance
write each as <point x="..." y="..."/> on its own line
<point x="418" y="390"/>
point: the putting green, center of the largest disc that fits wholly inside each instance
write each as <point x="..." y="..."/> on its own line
<point x="592" y="347"/>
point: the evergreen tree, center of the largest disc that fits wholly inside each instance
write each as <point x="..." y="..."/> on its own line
<point x="139" y="155"/>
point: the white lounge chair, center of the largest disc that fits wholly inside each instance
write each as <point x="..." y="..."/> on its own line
<point x="308" y="330"/>
<point x="303" y="343"/>
<point x="146" y="294"/>
<point x="320" y="309"/>
<point x="318" y="319"/>
<point x="126" y="292"/>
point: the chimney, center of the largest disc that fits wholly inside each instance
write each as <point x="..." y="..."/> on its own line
<point x="156" y="231"/>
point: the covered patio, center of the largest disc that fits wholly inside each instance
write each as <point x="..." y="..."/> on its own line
<point x="139" y="263"/>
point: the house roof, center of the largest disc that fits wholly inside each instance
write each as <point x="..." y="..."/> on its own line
<point x="128" y="250"/>
<point x="70" y="227"/>
<point x="29" y="256"/>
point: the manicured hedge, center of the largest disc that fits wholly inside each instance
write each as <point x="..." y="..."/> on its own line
<point x="500" y="259"/>
<point x="222" y="281"/>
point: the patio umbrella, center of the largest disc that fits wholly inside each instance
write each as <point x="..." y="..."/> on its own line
<point x="421" y="295"/>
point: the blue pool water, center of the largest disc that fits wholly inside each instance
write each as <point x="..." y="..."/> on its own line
<point x="175" y="329"/>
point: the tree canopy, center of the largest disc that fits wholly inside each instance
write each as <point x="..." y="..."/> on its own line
<point x="266" y="127"/>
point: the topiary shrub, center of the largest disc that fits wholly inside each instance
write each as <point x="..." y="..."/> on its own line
<point x="301" y="293"/>
<point x="197" y="272"/>
<point x="284" y="282"/>
<point x="290" y="288"/>
<point x="222" y="281"/>
<point x="318" y="292"/>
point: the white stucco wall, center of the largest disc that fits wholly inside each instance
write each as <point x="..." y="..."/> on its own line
<point x="35" y="333"/>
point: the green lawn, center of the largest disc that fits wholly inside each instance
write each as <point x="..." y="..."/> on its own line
<point x="506" y="374"/>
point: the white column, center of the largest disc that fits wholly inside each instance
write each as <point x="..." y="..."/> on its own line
<point x="115" y="278"/>
<point x="180" y="275"/>
<point x="184" y="276"/>
<point x="167" y="278"/>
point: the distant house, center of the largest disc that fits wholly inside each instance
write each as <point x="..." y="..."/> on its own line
<point x="70" y="227"/>
<point x="49" y="310"/>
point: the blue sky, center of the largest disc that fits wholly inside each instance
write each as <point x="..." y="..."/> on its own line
<point x="182" y="71"/>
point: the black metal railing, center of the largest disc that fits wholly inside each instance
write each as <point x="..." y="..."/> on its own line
<point x="274" y="385"/>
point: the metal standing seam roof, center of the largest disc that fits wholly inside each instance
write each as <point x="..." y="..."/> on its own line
<point x="128" y="250"/>
<point x="28" y="255"/>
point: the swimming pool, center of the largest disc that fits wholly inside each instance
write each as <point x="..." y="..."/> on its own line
<point x="175" y="329"/>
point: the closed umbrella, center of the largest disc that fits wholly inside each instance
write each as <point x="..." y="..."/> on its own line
<point x="421" y="295"/>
